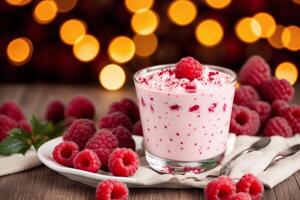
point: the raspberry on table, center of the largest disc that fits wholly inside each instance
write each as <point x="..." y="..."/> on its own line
<point x="24" y="125"/>
<point x="251" y="185"/>
<point x="103" y="143"/>
<point x="240" y="196"/>
<point x="276" y="89"/>
<point x="292" y="115"/>
<point x="244" y="121"/>
<point x="12" y="110"/>
<point x="255" y="71"/>
<point x="114" y="120"/>
<point x="65" y="152"/>
<point x="278" y="126"/>
<point x="80" y="107"/>
<point x="127" y="107"/>
<point x="87" y="160"/>
<point x="221" y="188"/>
<point x="55" y="111"/>
<point x="124" y="137"/>
<point x="245" y="94"/>
<point x="188" y="68"/>
<point x="6" y="124"/>
<point x="123" y="162"/>
<point x="80" y="131"/>
<point x="263" y="109"/>
<point x="278" y="106"/>
<point x="111" y="189"/>
<point x="137" y="128"/>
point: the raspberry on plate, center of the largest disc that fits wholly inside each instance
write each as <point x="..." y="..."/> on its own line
<point x="111" y="189"/>
<point x="251" y="185"/>
<point x="103" y="143"/>
<point x="188" y="68"/>
<point x="245" y="94"/>
<point x="244" y="121"/>
<point x="6" y="124"/>
<point x="114" y="120"/>
<point x="240" y="196"/>
<point x="276" y="89"/>
<point x="137" y="128"/>
<point x="255" y="71"/>
<point x="124" y="137"/>
<point x="24" y="125"/>
<point x="278" y="106"/>
<point x="12" y="110"/>
<point x="292" y="115"/>
<point x="263" y="109"/>
<point x="278" y="126"/>
<point x="80" y="107"/>
<point x="123" y="162"/>
<point x="80" y="131"/>
<point x="87" y="160"/>
<point x="55" y="111"/>
<point x="65" y="152"/>
<point x="127" y="107"/>
<point x="220" y="189"/>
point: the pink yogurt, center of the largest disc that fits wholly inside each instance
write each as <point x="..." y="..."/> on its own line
<point x="185" y="120"/>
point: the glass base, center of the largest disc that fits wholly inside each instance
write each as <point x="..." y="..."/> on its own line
<point x="166" y="166"/>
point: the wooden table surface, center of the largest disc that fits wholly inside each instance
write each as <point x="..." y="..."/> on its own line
<point x="42" y="183"/>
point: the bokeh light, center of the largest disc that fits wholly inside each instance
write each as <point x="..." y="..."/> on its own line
<point x="248" y="30"/>
<point x="218" y="4"/>
<point x="287" y="71"/>
<point x="71" y="30"/>
<point x="209" y="32"/>
<point x="266" y="23"/>
<point x="296" y="1"/>
<point x="145" y="45"/>
<point x="86" y="48"/>
<point x="65" y="5"/>
<point x="182" y="12"/>
<point x="275" y="39"/>
<point x="18" y="2"/>
<point x="19" y="51"/>
<point x="136" y="6"/>
<point x="144" y="23"/>
<point x="112" y="77"/>
<point x="121" y="49"/>
<point x="291" y="38"/>
<point x="45" y="11"/>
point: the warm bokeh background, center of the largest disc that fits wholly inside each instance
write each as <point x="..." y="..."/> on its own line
<point x="77" y="40"/>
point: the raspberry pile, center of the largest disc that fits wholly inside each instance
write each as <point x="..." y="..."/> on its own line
<point x="247" y="188"/>
<point x="266" y="97"/>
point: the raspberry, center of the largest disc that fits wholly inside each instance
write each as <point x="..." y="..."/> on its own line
<point x="12" y="110"/>
<point x="244" y="121"/>
<point x="65" y="152"/>
<point x="123" y="162"/>
<point x="6" y="124"/>
<point x="87" y="160"/>
<point x="55" y="111"/>
<point x="278" y="126"/>
<point x="221" y="188"/>
<point x="240" y="196"/>
<point x="188" y="68"/>
<point x="255" y="71"/>
<point x="111" y="189"/>
<point x="114" y="120"/>
<point x="276" y="89"/>
<point x="80" y="107"/>
<point x="278" y="106"/>
<point x="292" y="115"/>
<point x="127" y="107"/>
<point x="250" y="184"/>
<point x="80" y="131"/>
<point x="124" y="137"/>
<point x="24" y="126"/>
<point x="263" y="109"/>
<point x="103" y="143"/>
<point x="137" y="128"/>
<point x="245" y="95"/>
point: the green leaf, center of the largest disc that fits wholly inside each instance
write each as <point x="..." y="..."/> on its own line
<point x="39" y="143"/>
<point x="57" y="130"/>
<point x="39" y="128"/>
<point x="13" y="145"/>
<point x="20" y="134"/>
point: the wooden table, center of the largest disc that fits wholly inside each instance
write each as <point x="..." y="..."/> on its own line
<point x="42" y="183"/>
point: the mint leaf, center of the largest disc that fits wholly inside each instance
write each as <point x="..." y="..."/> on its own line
<point x="13" y="145"/>
<point x="39" y="128"/>
<point x="57" y="130"/>
<point x="20" y="134"/>
<point x="39" y="142"/>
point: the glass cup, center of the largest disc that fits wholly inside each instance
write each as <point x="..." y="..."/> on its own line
<point x="185" y="131"/>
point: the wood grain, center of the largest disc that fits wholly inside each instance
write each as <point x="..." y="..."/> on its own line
<point x="43" y="184"/>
